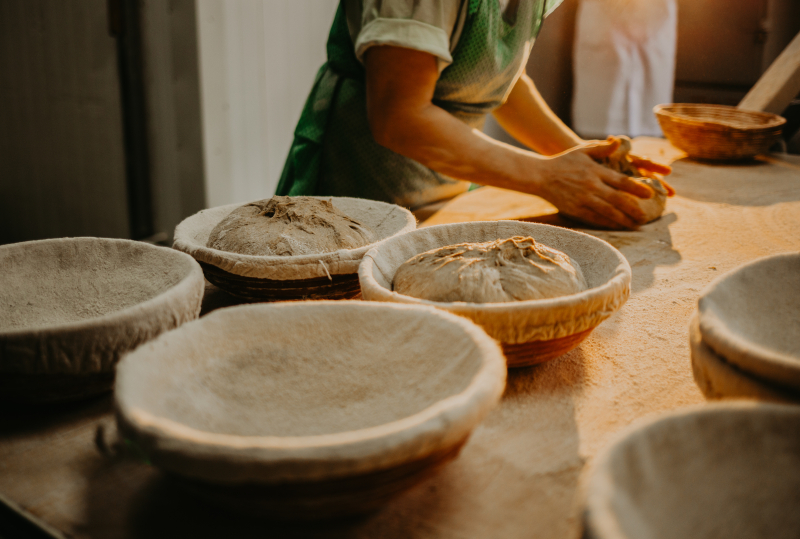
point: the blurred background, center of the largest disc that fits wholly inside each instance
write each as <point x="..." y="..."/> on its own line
<point x="119" y="118"/>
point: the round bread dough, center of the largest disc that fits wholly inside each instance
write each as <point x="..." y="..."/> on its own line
<point x="620" y="162"/>
<point x="513" y="269"/>
<point x="653" y="207"/>
<point x="288" y="226"/>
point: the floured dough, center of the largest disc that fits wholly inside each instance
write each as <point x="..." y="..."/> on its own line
<point x="653" y="207"/>
<point x="288" y="226"/>
<point x="620" y="162"/>
<point x="513" y="269"/>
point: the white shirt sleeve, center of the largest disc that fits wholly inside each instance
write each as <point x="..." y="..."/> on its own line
<point x="430" y="26"/>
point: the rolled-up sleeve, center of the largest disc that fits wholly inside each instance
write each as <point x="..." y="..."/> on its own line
<point x="423" y="25"/>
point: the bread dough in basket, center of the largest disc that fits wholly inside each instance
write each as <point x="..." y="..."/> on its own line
<point x="288" y="226"/>
<point x="513" y="269"/>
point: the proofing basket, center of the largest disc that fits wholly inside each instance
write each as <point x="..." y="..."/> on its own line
<point x="718" y="132"/>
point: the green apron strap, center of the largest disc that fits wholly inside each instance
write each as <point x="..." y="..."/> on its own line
<point x="301" y="171"/>
<point x="302" y="168"/>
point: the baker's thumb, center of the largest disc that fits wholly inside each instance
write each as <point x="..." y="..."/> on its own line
<point x="600" y="149"/>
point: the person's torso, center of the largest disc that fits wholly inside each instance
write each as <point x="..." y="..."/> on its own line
<point x="489" y="53"/>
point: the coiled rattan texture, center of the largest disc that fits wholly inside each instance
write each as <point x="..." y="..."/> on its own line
<point x="718" y="132"/>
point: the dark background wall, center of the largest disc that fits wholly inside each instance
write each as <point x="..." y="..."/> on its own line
<point x="62" y="156"/>
<point x="100" y="126"/>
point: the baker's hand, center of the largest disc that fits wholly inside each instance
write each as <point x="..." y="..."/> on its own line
<point x="587" y="191"/>
<point x="651" y="169"/>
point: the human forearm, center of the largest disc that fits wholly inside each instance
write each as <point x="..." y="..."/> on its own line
<point x="439" y="141"/>
<point x="400" y="84"/>
<point x="433" y="137"/>
<point x="527" y="117"/>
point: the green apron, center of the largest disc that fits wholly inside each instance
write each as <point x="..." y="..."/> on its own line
<point x="333" y="152"/>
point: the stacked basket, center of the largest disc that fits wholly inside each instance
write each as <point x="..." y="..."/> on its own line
<point x="330" y="275"/>
<point x="745" y="336"/>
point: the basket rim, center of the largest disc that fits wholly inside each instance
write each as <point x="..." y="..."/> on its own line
<point x="750" y="355"/>
<point x="276" y="267"/>
<point x="602" y="518"/>
<point x="313" y="457"/>
<point x="192" y="275"/>
<point x="517" y="321"/>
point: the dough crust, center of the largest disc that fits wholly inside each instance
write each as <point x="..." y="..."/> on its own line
<point x="288" y="226"/>
<point x="619" y="161"/>
<point x="513" y="269"/>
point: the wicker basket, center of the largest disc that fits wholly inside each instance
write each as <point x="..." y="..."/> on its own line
<point x="330" y="275"/>
<point x="531" y="331"/>
<point x="718" y="132"/>
<point x="254" y="289"/>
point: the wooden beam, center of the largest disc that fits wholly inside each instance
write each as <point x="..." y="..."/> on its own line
<point x="779" y="84"/>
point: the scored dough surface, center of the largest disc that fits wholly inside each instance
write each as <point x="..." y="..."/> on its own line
<point x="505" y="270"/>
<point x="288" y="226"/>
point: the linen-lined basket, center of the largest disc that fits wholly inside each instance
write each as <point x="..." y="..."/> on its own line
<point x="719" y="379"/>
<point x="715" y="470"/>
<point x="277" y="278"/>
<point x="532" y="331"/>
<point x="748" y="320"/>
<point x="71" y="307"/>
<point x="718" y="132"/>
<point x="308" y="410"/>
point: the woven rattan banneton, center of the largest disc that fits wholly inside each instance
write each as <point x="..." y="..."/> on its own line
<point x="342" y="497"/>
<point x="325" y="275"/>
<point x="534" y="352"/>
<point x="718" y="132"/>
<point x="253" y="289"/>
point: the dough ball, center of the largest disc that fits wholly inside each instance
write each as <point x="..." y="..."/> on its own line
<point x="514" y="269"/>
<point x="653" y="207"/>
<point x="288" y="226"/>
<point x="620" y="162"/>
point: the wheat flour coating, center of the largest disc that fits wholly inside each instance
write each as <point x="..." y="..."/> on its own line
<point x="620" y="162"/>
<point x="513" y="269"/>
<point x="288" y="226"/>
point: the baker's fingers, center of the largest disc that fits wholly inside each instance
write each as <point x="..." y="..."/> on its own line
<point x="623" y="202"/>
<point x="660" y="178"/>
<point x="646" y="164"/>
<point x="600" y="149"/>
<point x="626" y="183"/>
<point x="668" y="187"/>
<point x="611" y="212"/>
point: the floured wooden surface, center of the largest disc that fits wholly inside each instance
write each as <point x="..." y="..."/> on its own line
<point x="486" y="204"/>
<point x="518" y="474"/>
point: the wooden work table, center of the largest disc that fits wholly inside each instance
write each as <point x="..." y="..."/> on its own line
<point x="519" y="474"/>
